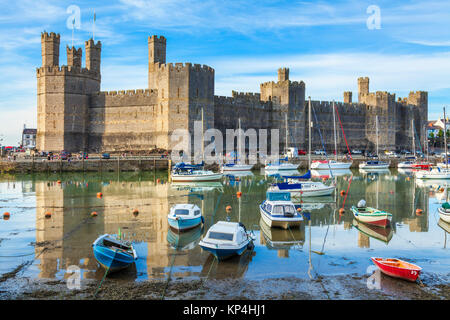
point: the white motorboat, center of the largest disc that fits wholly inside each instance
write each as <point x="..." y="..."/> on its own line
<point x="279" y="211"/>
<point x="434" y="173"/>
<point x="444" y="212"/>
<point x="184" y="217"/>
<point x="183" y="172"/>
<point x="281" y="166"/>
<point x="227" y="239"/>
<point x="374" y="165"/>
<point x="233" y="167"/>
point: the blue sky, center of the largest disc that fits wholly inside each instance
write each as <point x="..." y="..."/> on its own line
<point x="327" y="44"/>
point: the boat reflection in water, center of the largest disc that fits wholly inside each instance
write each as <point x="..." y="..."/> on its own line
<point x="366" y="172"/>
<point x="382" y="234"/>
<point x="282" y="240"/>
<point x="187" y="240"/>
<point x="406" y="172"/>
<point x="444" y="225"/>
<point x="435" y="183"/>
<point x="327" y="172"/>
<point x="316" y="203"/>
<point x="197" y="186"/>
<point x="233" y="268"/>
<point x="238" y="174"/>
<point x="281" y="173"/>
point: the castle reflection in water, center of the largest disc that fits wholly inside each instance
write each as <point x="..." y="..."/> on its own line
<point x="70" y="231"/>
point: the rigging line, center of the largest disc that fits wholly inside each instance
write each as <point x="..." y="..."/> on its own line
<point x="418" y="140"/>
<point x="321" y="140"/>
<point x="343" y="132"/>
<point x="215" y="209"/>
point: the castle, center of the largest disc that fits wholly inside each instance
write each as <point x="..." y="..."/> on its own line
<point x="74" y="115"/>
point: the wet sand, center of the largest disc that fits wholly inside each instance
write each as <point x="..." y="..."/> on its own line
<point x="330" y="288"/>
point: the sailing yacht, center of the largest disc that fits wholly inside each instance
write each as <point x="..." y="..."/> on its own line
<point x="184" y="172"/>
<point x="437" y="172"/>
<point x="230" y="167"/>
<point x="331" y="164"/>
<point x="282" y="164"/>
<point x="374" y="164"/>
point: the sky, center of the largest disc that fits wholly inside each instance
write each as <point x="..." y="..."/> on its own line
<point x="402" y="46"/>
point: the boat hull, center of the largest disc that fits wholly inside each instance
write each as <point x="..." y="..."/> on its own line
<point x="111" y="259"/>
<point x="284" y="223"/>
<point x="298" y="193"/>
<point x="374" y="166"/>
<point x="432" y="175"/>
<point x="196" y="178"/>
<point x="381" y="220"/>
<point x="409" y="272"/>
<point x="184" y="224"/>
<point x="332" y="165"/>
<point x="225" y="253"/>
<point x="445" y="216"/>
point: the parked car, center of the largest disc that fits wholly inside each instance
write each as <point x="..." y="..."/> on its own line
<point x="405" y="152"/>
<point x="319" y="152"/>
<point x="106" y="156"/>
<point x="301" y="152"/>
<point x="356" y="151"/>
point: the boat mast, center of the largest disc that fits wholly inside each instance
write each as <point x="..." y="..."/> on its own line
<point x="445" y="140"/>
<point x="376" y="124"/>
<point x="335" y="141"/>
<point x="239" y="142"/>
<point x="413" y="138"/>
<point x="286" y="134"/>
<point x="309" y="133"/>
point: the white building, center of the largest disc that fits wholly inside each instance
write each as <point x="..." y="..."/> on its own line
<point x="28" y="138"/>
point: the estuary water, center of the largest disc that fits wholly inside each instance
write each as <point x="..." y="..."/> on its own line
<point x="330" y="243"/>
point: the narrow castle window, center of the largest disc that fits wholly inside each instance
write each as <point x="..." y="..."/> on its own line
<point x="178" y="93"/>
<point x="162" y="93"/>
<point x="178" y="109"/>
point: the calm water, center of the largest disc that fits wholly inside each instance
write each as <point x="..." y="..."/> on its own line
<point x="346" y="245"/>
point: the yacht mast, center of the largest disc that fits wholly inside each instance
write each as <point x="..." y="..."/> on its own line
<point x="203" y="143"/>
<point x="413" y="138"/>
<point x="309" y="133"/>
<point x="445" y="140"/>
<point x="335" y="141"/>
<point x="376" y="124"/>
<point x="286" y="134"/>
<point x="239" y="142"/>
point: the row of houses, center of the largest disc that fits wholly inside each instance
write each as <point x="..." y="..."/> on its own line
<point x="434" y="126"/>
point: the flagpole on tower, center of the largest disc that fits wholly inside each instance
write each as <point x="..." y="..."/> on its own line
<point x="93" y="29"/>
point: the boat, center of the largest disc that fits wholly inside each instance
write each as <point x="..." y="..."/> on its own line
<point x="421" y="166"/>
<point x="374" y="164"/>
<point x="184" y="217"/>
<point x="227" y="239"/>
<point x="444" y="212"/>
<point x="408" y="163"/>
<point x="281" y="165"/>
<point x="382" y="234"/>
<point x="299" y="188"/>
<point x="236" y="165"/>
<point x="332" y="164"/>
<point x="434" y="173"/>
<point x="113" y="254"/>
<point x="371" y="215"/>
<point x="279" y="211"/>
<point x="183" y="172"/>
<point x="197" y="186"/>
<point x="281" y="239"/>
<point x="444" y="225"/>
<point x="398" y="268"/>
<point x="326" y="165"/>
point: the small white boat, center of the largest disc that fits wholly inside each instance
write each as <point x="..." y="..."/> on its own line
<point x="371" y="215"/>
<point x="434" y="173"/>
<point x="374" y="164"/>
<point x="279" y="211"/>
<point x="406" y="164"/>
<point x="444" y="212"/>
<point x="184" y="217"/>
<point x="233" y="167"/>
<point x="298" y="186"/>
<point x="183" y="172"/>
<point x="326" y="165"/>
<point x="227" y="239"/>
<point x="280" y="166"/>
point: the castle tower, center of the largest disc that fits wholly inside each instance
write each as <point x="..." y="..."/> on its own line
<point x="348" y="97"/>
<point x="283" y="74"/>
<point x="156" y="49"/>
<point x="363" y="87"/>
<point x="50" y="49"/>
<point x="93" y="53"/>
<point x="74" y="57"/>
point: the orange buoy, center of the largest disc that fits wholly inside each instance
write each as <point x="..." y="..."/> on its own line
<point x="239" y="194"/>
<point x="6" y="216"/>
<point x="135" y="212"/>
<point x="228" y="208"/>
<point x="94" y="214"/>
<point x="324" y="179"/>
<point x="59" y="181"/>
<point x="342" y="193"/>
<point x="99" y="194"/>
<point x="341" y="211"/>
<point x="48" y="214"/>
<point x="158" y="180"/>
<point x="441" y="189"/>
<point x="299" y="209"/>
<point x="419" y="212"/>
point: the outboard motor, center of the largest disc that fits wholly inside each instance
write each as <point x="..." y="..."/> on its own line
<point x="361" y="203"/>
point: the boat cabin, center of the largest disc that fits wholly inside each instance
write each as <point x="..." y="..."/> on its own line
<point x="185" y="211"/>
<point x="279" y="204"/>
<point x="224" y="232"/>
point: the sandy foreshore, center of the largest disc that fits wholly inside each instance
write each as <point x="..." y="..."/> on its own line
<point x="329" y="288"/>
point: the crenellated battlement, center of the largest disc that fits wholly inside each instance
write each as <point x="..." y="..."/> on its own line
<point x="124" y="98"/>
<point x="91" y="44"/>
<point x="136" y="92"/>
<point x="64" y="71"/>
<point x="181" y="67"/>
<point x="156" y="38"/>
<point x="243" y="100"/>
<point x="50" y="36"/>
<point x="327" y="106"/>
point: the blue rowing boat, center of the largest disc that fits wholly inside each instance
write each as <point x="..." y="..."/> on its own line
<point x="113" y="254"/>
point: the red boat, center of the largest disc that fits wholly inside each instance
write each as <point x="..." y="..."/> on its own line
<point x="398" y="268"/>
<point x="421" y="166"/>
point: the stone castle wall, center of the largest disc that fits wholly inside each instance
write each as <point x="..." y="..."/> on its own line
<point x="74" y="115"/>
